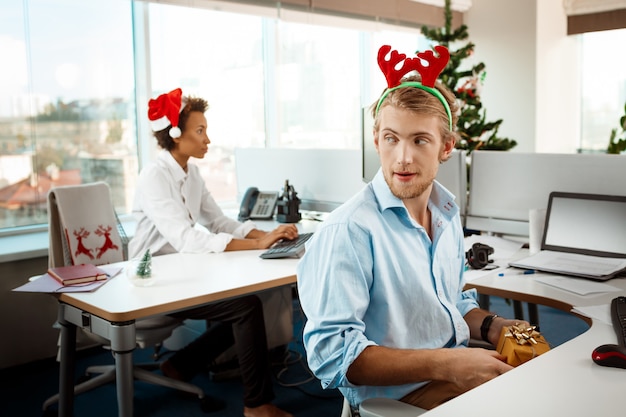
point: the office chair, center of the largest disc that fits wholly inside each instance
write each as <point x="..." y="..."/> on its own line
<point x="83" y="228"/>
<point x="382" y="407"/>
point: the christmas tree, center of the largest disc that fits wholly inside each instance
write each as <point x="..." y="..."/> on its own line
<point x="618" y="145"/>
<point x="144" y="266"/>
<point x="474" y="130"/>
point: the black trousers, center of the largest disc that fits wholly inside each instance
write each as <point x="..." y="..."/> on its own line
<point x="242" y="323"/>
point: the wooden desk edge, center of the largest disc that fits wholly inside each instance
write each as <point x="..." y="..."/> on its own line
<point x="529" y="298"/>
<point x="178" y="305"/>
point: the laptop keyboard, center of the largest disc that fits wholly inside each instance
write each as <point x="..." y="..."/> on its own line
<point x="287" y="248"/>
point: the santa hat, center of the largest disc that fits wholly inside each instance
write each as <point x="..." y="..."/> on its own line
<point x="165" y="110"/>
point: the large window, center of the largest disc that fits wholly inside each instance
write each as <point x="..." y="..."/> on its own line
<point x="66" y="94"/>
<point x="73" y="97"/>
<point x="217" y="56"/>
<point x="603" y="87"/>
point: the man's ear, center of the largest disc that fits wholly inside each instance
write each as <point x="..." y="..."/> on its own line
<point x="448" y="147"/>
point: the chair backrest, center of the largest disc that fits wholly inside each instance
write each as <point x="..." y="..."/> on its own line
<point x="83" y="226"/>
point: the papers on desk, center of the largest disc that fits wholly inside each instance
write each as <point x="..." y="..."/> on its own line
<point x="598" y="312"/>
<point x="45" y="283"/>
<point x="580" y="286"/>
<point x="575" y="264"/>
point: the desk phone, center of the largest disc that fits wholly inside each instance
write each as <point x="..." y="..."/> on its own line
<point x="257" y="204"/>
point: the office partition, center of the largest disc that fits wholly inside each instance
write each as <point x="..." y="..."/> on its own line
<point x="325" y="178"/>
<point x="505" y="186"/>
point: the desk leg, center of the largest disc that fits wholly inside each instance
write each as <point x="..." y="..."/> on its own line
<point x="67" y="366"/>
<point x="483" y="301"/>
<point x="533" y="314"/>
<point x="518" y="310"/>
<point x="122" y="344"/>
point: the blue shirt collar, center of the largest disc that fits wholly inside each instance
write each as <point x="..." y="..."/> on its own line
<point x="440" y="197"/>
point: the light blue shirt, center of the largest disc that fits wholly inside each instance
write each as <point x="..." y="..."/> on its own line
<point x="372" y="276"/>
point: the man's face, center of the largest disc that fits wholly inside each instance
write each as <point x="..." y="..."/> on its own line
<point x="410" y="148"/>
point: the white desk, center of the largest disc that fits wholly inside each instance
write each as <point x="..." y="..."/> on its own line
<point x="561" y="382"/>
<point x="181" y="281"/>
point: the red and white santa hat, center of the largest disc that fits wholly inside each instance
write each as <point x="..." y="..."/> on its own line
<point x="165" y="111"/>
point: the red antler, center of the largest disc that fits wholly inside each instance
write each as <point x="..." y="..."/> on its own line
<point x="435" y="65"/>
<point x="429" y="74"/>
<point x="388" y="67"/>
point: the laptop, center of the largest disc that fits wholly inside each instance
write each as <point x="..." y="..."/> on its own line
<point x="584" y="236"/>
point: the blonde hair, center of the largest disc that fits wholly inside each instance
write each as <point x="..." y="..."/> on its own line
<point x="420" y="101"/>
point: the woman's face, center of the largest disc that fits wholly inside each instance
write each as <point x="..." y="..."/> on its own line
<point x="194" y="141"/>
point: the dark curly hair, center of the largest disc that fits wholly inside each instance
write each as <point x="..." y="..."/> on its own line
<point x="192" y="104"/>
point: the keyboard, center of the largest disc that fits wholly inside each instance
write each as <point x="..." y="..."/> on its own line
<point x="618" y="313"/>
<point x="287" y="248"/>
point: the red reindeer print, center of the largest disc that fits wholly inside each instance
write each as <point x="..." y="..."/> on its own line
<point x="80" y="235"/>
<point x="108" y="243"/>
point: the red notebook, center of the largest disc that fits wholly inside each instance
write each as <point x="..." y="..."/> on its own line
<point x="77" y="274"/>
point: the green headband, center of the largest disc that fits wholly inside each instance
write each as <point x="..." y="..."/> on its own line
<point x="419" y="85"/>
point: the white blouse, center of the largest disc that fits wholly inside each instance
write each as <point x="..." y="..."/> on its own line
<point x="169" y="202"/>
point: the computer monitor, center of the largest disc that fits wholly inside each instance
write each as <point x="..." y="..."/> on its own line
<point x="452" y="173"/>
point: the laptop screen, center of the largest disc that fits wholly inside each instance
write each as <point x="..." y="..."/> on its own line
<point x="586" y="223"/>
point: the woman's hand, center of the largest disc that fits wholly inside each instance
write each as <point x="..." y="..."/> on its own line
<point x="259" y="239"/>
<point x="286" y="231"/>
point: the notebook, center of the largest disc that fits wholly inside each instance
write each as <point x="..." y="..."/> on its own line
<point x="584" y="236"/>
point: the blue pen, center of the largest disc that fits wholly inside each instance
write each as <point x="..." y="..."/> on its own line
<point x="525" y="272"/>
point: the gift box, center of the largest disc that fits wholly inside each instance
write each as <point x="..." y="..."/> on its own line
<point x="521" y="344"/>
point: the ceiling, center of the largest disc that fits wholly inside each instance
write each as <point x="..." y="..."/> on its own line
<point x="456" y="5"/>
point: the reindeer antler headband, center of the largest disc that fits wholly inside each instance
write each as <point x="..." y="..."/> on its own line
<point x="429" y="74"/>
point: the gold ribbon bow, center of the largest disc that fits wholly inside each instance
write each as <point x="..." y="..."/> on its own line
<point x="523" y="335"/>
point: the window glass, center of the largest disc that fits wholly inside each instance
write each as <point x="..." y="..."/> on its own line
<point x="318" y="85"/>
<point x="603" y="87"/>
<point x="217" y="56"/>
<point x="65" y="113"/>
<point x="68" y="106"/>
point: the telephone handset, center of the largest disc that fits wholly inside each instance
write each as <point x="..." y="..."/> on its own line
<point x="257" y="204"/>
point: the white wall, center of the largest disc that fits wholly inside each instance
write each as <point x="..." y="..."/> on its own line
<point x="504" y="32"/>
<point x="558" y="91"/>
<point x="531" y="80"/>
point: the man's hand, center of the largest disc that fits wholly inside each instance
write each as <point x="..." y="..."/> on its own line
<point x="496" y="328"/>
<point x="470" y="367"/>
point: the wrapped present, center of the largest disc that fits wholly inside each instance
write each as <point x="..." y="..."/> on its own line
<point x="520" y="344"/>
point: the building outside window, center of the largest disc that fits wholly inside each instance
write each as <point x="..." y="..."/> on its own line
<point x="68" y="106"/>
<point x="66" y="113"/>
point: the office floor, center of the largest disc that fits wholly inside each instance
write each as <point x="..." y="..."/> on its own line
<point x="24" y="388"/>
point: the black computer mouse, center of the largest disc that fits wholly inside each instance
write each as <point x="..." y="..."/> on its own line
<point x="610" y="355"/>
